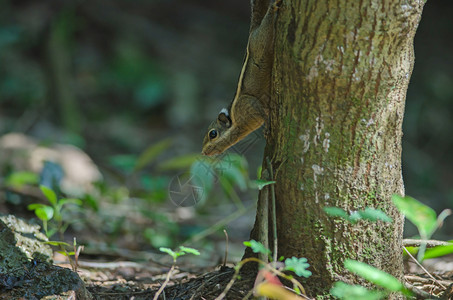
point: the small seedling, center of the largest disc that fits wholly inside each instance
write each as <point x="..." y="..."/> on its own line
<point x="76" y="252"/>
<point x="174" y="254"/>
<point x="182" y="251"/>
<point x="426" y="221"/>
<point x="53" y="211"/>
<point x="257" y="247"/>
<point x="267" y="283"/>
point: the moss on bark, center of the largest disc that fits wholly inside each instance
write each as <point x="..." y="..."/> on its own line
<point x="340" y="78"/>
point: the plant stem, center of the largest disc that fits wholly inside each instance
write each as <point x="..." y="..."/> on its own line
<point x="226" y="248"/>
<point x="263" y="218"/>
<point x="167" y="279"/>
<point x="274" y="211"/>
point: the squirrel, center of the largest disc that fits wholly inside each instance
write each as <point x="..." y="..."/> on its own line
<point x="249" y="109"/>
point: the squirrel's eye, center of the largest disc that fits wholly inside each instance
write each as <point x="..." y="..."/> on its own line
<point x="213" y="134"/>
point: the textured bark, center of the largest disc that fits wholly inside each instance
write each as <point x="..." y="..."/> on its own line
<point x="340" y="77"/>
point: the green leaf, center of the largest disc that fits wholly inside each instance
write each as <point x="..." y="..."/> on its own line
<point x="19" y="179"/>
<point x="422" y="216"/>
<point x="154" y="183"/>
<point x="124" y="162"/>
<point x="57" y="243"/>
<point x="179" y="163"/>
<point x="374" y="215"/>
<point x="189" y="250"/>
<point x="230" y="192"/>
<point x="375" y="275"/>
<point x="438" y="251"/>
<point x="336" y="212"/>
<point x="150" y="154"/>
<point x="43" y="212"/>
<point x="232" y="160"/>
<point x="298" y="266"/>
<point x="235" y="176"/>
<point x="158" y="237"/>
<point x="368" y="213"/>
<point x="260" y="183"/>
<point x="35" y="206"/>
<point x="346" y="291"/>
<point x="411" y="250"/>
<point x="169" y="252"/>
<point x="257" y="247"/>
<point x="354" y="217"/>
<point x="234" y="168"/>
<point x="258" y="171"/>
<point x="49" y="193"/>
<point x="203" y="176"/>
<point x="91" y="201"/>
<point x="66" y="253"/>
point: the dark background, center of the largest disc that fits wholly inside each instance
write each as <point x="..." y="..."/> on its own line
<point x="113" y="77"/>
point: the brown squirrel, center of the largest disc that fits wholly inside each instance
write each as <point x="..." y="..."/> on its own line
<point x="250" y="106"/>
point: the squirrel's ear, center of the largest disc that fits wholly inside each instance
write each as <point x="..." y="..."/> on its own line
<point x="224" y="118"/>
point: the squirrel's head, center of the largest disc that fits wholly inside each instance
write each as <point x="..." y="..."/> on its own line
<point x="213" y="142"/>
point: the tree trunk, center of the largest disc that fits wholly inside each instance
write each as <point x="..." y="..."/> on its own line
<point x="340" y="77"/>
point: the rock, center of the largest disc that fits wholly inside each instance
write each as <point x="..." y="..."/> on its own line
<point x="26" y="271"/>
<point x="19" y="152"/>
<point x="19" y="237"/>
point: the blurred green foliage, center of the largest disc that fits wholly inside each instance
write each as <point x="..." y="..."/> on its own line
<point x="428" y="120"/>
<point x="56" y="211"/>
<point x="135" y="205"/>
<point x="376" y="276"/>
<point x="426" y="220"/>
<point x="118" y="77"/>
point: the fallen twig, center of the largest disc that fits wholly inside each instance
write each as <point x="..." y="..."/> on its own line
<point x="429" y="243"/>
<point x="423" y="268"/>
<point x="114" y="265"/>
<point x="421" y="294"/>
<point x="414" y="279"/>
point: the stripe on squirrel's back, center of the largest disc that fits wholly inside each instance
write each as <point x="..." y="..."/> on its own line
<point x="241" y="79"/>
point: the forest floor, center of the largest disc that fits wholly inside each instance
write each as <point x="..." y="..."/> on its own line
<point x="122" y="279"/>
